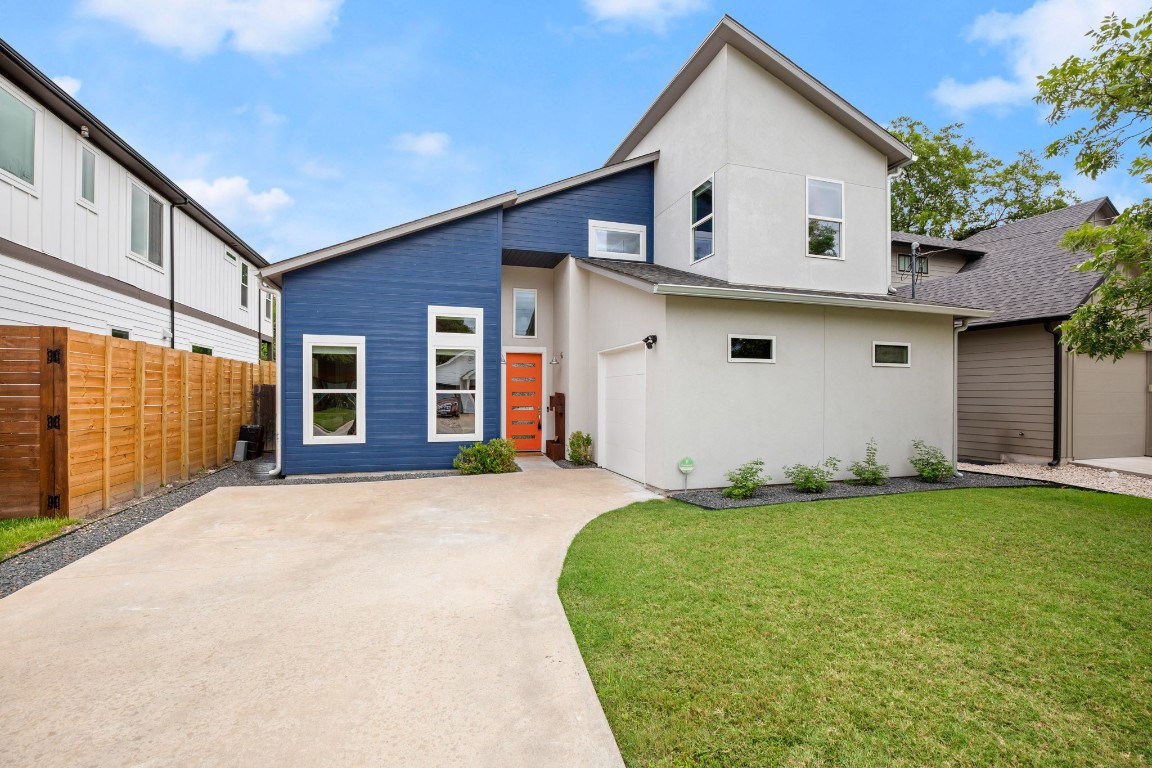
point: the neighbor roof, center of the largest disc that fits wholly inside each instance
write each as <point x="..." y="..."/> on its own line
<point x="676" y="282"/>
<point x="505" y="200"/>
<point x="731" y="32"/>
<point x="1025" y="275"/>
<point x="24" y="75"/>
<point x="937" y="243"/>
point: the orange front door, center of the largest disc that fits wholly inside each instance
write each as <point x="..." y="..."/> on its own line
<point x="524" y="395"/>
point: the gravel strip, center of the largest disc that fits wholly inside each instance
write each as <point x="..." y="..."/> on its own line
<point x="712" y="498"/>
<point x="565" y="464"/>
<point x="23" y="569"/>
<point x="1091" y="478"/>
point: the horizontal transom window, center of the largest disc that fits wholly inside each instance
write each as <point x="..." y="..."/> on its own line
<point x="745" y="348"/>
<point x="612" y="240"/>
<point x="891" y="354"/>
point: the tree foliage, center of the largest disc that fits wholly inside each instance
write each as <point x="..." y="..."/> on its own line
<point x="955" y="189"/>
<point x="1114" y="86"/>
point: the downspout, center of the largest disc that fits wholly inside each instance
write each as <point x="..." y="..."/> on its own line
<point x="956" y="331"/>
<point x="888" y="209"/>
<point x="1057" y="392"/>
<point x="278" y="334"/>
<point x="172" y="270"/>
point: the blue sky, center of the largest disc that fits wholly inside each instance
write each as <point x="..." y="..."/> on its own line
<point x="301" y="123"/>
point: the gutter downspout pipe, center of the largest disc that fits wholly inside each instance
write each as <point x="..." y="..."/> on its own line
<point x="278" y="325"/>
<point x="1057" y="391"/>
<point x="956" y="330"/>
<point x="172" y="271"/>
<point x="888" y="209"/>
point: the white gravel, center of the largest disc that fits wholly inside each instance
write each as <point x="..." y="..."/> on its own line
<point x="1068" y="474"/>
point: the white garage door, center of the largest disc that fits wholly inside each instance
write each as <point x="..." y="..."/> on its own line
<point x="622" y="412"/>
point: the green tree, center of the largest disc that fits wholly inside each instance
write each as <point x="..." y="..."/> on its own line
<point x="1114" y="86"/>
<point x="955" y="189"/>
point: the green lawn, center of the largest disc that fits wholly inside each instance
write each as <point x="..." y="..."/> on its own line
<point x="25" y="530"/>
<point x="955" y="628"/>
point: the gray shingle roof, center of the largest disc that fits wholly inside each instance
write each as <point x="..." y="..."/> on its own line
<point x="936" y="242"/>
<point x="1025" y="274"/>
<point x="656" y="274"/>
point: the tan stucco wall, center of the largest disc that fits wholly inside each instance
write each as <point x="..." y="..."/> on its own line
<point x="939" y="265"/>
<point x="1109" y="406"/>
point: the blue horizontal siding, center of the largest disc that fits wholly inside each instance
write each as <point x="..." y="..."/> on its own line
<point x="383" y="293"/>
<point x="559" y="223"/>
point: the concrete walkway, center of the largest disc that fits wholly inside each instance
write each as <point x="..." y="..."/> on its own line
<point x="402" y="623"/>
<point x="1132" y="465"/>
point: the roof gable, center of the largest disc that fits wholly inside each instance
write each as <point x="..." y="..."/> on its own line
<point x="730" y="32"/>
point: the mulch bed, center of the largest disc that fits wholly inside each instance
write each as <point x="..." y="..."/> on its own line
<point x="712" y="498"/>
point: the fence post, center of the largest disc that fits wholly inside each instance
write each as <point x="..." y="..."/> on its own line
<point x="53" y="500"/>
<point x="138" y="428"/>
<point x="184" y="415"/>
<point x="203" y="412"/>
<point x="219" y="408"/>
<point x="163" y="416"/>
<point x="106" y="451"/>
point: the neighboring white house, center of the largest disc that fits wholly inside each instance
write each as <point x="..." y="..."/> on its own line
<point x="95" y="238"/>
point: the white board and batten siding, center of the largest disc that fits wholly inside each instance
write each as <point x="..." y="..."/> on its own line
<point x="50" y="218"/>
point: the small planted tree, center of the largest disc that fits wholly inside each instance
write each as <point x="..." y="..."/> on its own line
<point x="745" y="479"/>
<point x="870" y="471"/>
<point x="930" y="462"/>
<point x="814" y="478"/>
<point x="580" y="448"/>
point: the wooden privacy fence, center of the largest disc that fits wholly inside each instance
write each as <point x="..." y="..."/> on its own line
<point x="89" y="421"/>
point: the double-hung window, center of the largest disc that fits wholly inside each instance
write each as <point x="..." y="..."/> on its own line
<point x="268" y="303"/>
<point x="146" y="238"/>
<point x="244" y="285"/>
<point x="703" y="219"/>
<point x="825" y="218"/>
<point x="87" y="176"/>
<point x="333" y="389"/>
<point x="612" y="240"/>
<point x="17" y="138"/>
<point x="455" y="374"/>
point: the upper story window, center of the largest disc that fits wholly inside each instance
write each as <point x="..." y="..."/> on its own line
<point x="244" y="285"/>
<point x="746" y="348"/>
<point x="825" y="218"/>
<point x="611" y="240"/>
<point x="702" y="221"/>
<point x="17" y="138"/>
<point x="87" y="175"/>
<point x="904" y="263"/>
<point x="455" y="374"/>
<point x="268" y="304"/>
<point x="524" y="314"/>
<point x="147" y="226"/>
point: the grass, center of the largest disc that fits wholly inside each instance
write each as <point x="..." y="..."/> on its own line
<point x="969" y="627"/>
<point x="333" y="418"/>
<point x="17" y="532"/>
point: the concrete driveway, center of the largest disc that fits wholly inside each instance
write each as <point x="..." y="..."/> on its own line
<point x="401" y="623"/>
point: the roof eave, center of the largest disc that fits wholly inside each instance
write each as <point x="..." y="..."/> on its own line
<point x="730" y="32"/>
<point x="827" y="300"/>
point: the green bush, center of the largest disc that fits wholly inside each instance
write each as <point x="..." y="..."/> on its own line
<point x="930" y="462"/>
<point x="812" y="479"/>
<point x="745" y="479"/>
<point x="870" y="471"/>
<point x="494" y="457"/>
<point x="580" y="448"/>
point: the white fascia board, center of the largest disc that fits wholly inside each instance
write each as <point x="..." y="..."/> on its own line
<point x="730" y="32"/>
<point x="782" y="297"/>
<point x="584" y="178"/>
<point x="331" y="252"/>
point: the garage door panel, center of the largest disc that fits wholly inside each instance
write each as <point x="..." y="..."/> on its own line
<point x="624" y="391"/>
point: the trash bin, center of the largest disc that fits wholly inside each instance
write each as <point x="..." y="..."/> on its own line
<point x="253" y="434"/>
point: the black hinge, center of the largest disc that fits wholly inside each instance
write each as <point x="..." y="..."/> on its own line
<point x="53" y="503"/>
<point x="54" y="355"/>
<point x="54" y="422"/>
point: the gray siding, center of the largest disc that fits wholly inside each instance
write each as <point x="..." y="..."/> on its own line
<point x="1005" y="392"/>
<point x="942" y="265"/>
<point x="1108" y="406"/>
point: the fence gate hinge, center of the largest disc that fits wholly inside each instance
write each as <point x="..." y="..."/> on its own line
<point x="53" y="503"/>
<point x="54" y="422"/>
<point x="54" y="355"/>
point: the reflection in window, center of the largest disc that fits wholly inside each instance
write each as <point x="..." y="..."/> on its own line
<point x="702" y="218"/>
<point x="891" y="354"/>
<point x="449" y="324"/>
<point x="456" y="378"/>
<point x="334" y="390"/>
<point x="524" y="301"/>
<point x="742" y="349"/>
<point x="825" y="217"/>
<point x="17" y="137"/>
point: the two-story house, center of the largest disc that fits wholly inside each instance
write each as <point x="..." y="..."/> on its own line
<point x="94" y="237"/>
<point x="719" y="290"/>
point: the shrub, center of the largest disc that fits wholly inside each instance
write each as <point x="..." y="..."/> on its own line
<point x="869" y="471"/>
<point x="745" y="479"/>
<point x="580" y="448"/>
<point x="494" y="457"/>
<point x="930" y="462"/>
<point x="812" y="479"/>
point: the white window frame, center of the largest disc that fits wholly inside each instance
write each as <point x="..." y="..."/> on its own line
<point x="82" y="147"/>
<point x="905" y="344"/>
<point x="360" y="344"/>
<point x="471" y="341"/>
<point x="535" y="310"/>
<point x="615" y="226"/>
<point x="750" y="359"/>
<point x="695" y="223"/>
<point x="37" y="144"/>
<point x="143" y="259"/>
<point x="245" y="284"/>
<point x="809" y="216"/>
<point x="268" y="311"/>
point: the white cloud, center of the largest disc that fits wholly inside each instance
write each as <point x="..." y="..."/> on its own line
<point x="231" y="199"/>
<point x="314" y="169"/>
<point x="198" y="27"/>
<point x="654" y="14"/>
<point x="1032" y="41"/>
<point x="69" y="85"/>
<point x="264" y="114"/>
<point x="429" y="144"/>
